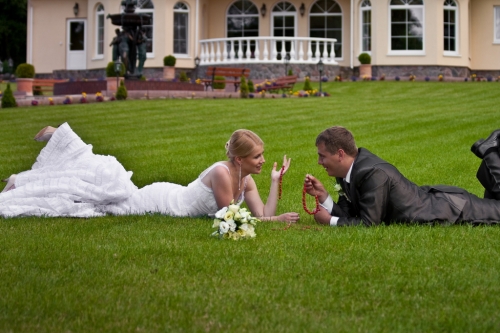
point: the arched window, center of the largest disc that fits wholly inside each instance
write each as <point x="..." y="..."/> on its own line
<point x="407" y="25"/>
<point x="99" y="28"/>
<point x="243" y="21"/>
<point x="450" y="27"/>
<point x="366" y="26"/>
<point x="146" y="6"/>
<point x="284" y="16"/>
<point x="325" y="21"/>
<point x="181" y="24"/>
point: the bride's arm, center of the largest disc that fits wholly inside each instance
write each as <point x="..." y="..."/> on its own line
<point x="266" y="212"/>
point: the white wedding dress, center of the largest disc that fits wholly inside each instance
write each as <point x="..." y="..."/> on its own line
<point x="68" y="179"/>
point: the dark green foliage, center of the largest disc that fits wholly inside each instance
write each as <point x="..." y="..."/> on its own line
<point x="183" y="77"/>
<point x="219" y="85"/>
<point x="143" y="78"/>
<point x="307" y="84"/>
<point x="6" y="68"/>
<point x="365" y="59"/>
<point x="13" y="32"/>
<point x="37" y="91"/>
<point x="243" y="88"/>
<point x="110" y="70"/>
<point x="121" y="93"/>
<point x="25" y="71"/>
<point x="8" y="100"/>
<point x="169" y="60"/>
<point x="290" y="72"/>
<point x="251" y="87"/>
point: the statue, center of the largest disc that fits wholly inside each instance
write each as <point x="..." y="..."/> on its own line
<point x="130" y="44"/>
<point x="115" y="43"/>
<point x="142" y="40"/>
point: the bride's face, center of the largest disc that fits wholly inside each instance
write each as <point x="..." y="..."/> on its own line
<point x="252" y="164"/>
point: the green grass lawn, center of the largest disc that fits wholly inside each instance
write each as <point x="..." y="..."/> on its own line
<point x="161" y="274"/>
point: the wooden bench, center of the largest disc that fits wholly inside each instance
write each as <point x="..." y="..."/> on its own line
<point x="234" y="73"/>
<point x="44" y="85"/>
<point x="284" y="83"/>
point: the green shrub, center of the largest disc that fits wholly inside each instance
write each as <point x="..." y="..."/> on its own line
<point x="6" y="68"/>
<point x="290" y="72"/>
<point x="169" y="60"/>
<point x="365" y="59"/>
<point x="121" y="93"/>
<point x="110" y="69"/>
<point x="219" y="85"/>
<point x="307" y="84"/>
<point x="37" y="91"/>
<point x="183" y="77"/>
<point x="243" y="88"/>
<point x="8" y="100"/>
<point x="25" y="71"/>
<point x="251" y="87"/>
<point x="143" y="78"/>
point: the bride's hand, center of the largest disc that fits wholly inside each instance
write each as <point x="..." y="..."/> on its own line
<point x="275" y="174"/>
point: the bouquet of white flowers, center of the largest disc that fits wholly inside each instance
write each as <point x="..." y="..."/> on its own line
<point x="234" y="223"/>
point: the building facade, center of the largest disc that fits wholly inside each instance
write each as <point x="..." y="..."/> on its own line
<point x="455" y="37"/>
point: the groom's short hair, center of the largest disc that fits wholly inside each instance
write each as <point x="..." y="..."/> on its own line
<point x="338" y="137"/>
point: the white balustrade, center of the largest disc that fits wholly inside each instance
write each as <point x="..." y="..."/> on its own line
<point x="302" y="50"/>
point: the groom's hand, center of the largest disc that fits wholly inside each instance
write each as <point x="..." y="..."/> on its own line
<point x="314" y="187"/>
<point x="323" y="216"/>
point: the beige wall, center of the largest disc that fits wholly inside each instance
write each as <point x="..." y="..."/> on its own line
<point x="485" y="55"/>
<point x="475" y="48"/>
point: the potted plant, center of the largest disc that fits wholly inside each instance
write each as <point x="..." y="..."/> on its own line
<point x="24" y="77"/>
<point x="112" y="84"/>
<point x="169" y="67"/>
<point x="219" y="83"/>
<point x="365" y="69"/>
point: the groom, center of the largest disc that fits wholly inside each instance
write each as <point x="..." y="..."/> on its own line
<point x="375" y="192"/>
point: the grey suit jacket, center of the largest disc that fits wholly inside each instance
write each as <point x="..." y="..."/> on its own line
<point x="378" y="193"/>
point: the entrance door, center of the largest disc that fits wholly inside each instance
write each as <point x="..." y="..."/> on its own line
<point x="76" y="56"/>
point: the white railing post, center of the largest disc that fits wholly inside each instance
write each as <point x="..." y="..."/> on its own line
<point x="265" y="49"/>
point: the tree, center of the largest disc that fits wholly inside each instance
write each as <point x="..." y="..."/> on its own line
<point x="13" y="18"/>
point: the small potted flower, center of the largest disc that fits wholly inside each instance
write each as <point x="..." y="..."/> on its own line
<point x="67" y="100"/>
<point x="99" y="97"/>
<point x="34" y="102"/>
<point x="51" y="101"/>
<point x="83" y="99"/>
<point x="412" y="77"/>
<point x="440" y="77"/>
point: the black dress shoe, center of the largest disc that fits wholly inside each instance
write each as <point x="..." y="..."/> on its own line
<point x="481" y="147"/>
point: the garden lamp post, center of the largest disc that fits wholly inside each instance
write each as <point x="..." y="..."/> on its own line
<point x="197" y="64"/>
<point x="118" y="68"/>
<point x="286" y="59"/>
<point x="321" y="67"/>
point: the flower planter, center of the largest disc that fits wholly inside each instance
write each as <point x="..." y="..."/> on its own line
<point x="365" y="71"/>
<point x="169" y="72"/>
<point x="111" y="83"/>
<point x="25" y="85"/>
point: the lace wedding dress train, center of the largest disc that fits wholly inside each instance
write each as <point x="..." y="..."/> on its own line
<point x="68" y="179"/>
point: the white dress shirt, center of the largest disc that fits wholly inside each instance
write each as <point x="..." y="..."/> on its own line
<point x="328" y="203"/>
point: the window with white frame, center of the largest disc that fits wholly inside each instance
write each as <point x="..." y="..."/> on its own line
<point x="283" y="19"/>
<point x="407" y="26"/>
<point x="496" y="13"/>
<point x="450" y="27"/>
<point x="147" y="7"/>
<point x="366" y="26"/>
<point x="181" y="22"/>
<point x="243" y="21"/>
<point x="99" y="20"/>
<point x="325" y="21"/>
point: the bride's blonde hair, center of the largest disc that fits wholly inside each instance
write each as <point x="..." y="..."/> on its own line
<point x="242" y="143"/>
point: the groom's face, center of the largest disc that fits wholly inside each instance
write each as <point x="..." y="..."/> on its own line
<point x="331" y="162"/>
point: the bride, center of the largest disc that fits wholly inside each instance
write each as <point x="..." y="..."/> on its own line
<point x="68" y="179"/>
